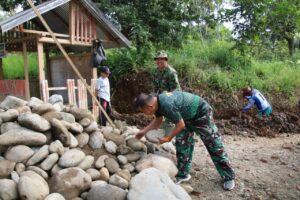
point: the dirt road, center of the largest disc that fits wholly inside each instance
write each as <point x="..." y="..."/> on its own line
<point x="265" y="169"/>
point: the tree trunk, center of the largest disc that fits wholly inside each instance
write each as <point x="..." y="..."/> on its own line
<point x="290" y="42"/>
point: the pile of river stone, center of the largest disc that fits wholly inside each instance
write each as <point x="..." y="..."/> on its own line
<point x="55" y="152"/>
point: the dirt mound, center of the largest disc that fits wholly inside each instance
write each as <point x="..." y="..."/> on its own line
<point x="127" y="88"/>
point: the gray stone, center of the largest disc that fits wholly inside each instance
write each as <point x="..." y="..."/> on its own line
<point x="22" y="136"/>
<point x="19" y="153"/>
<point x="20" y="167"/>
<point x="87" y="162"/>
<point x="49" y="162"/>
<point x="117" y="139"/>
<point x="136" y="145"/>
<point x="43" y="108"/>
<point x="23" y="109"/>
<point x="34" y="102"/>
<point x="60" y="132"/>
<point x="111" y="147"/>
<point x="71" y="158"/>
<point x="56" y="168"/>
<point x="153" y="135"/>
<point x="104" y="174"/>
<point x="32" y="186"/>
<point x="95" y="174"/>
<point x="74" y="142"/>
<point x="40" y="155"/>
<point x="8" y="189"/>
<point x="106" y="192"/>
<point x="129" y="167"/>
<point x="118" y="181"/>
<point x="57" y="147"/>
<point x="70" y="182"/>
<point x="159" y="162"/>
<point x="122" y="159"/>
<point x="9" y="115"/>
<point x="82" y="139"/>
<point x="123" y="149"/>
<point x="112" y="165"/>
<point x="124" y="173"/>
<point x="96" y="140"/>
<point x="67" y="117"/>
<point x="80" y="113"/>
<point x="12" y="102"/>
<point x="39" y="171"/>
<point x="92" y="127"/>
<point x="143" y="185"/>
<point x="55" y="196"/>
<point x="85" y="122"/>
<point x="8" y="126"/>
<point x="100" y="161"/>
<point x="55" y="98"/>
<point x="34" y="122"/>
<point x="76" y="128"/>
<point x="15" y="177"/>
<point x="107" y="130"/>
<point x="58" y="106"/>
<point x="99" y="182"/>
<point x="132" y="157"/>
<point x="52" y="114"/>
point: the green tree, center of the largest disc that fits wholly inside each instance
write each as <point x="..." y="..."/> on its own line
<point x="258" y="21"/>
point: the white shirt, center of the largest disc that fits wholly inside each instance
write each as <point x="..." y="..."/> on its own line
<point x="103" y="88"/>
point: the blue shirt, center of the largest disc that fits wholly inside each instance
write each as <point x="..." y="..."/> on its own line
<point x="258" y="99"/>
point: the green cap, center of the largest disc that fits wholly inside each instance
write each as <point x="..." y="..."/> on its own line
<point x="161" y="54"/>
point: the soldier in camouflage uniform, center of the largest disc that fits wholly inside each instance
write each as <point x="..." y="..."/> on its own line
<point x="190" y="113"/>
<point x="164" y="76"/>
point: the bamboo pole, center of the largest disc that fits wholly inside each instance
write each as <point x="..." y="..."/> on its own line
<point x="68" y="59"/>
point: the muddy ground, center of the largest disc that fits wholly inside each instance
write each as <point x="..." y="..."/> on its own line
<point x="266" y="168"/>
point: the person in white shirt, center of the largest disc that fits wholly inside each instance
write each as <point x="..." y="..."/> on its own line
<point x="103" y="93"/>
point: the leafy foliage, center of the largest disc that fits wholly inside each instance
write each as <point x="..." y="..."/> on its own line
<point x="258" y="22"/>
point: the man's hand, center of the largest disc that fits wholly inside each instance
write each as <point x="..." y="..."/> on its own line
<point x="139" y="135"/>
<point x="164" y="139"/>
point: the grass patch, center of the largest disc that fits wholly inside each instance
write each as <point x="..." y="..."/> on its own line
<point x="13" y="66"/>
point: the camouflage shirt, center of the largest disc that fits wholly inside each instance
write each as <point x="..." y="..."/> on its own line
<point x="165" y="80"/>
<point x="179" y="105"/>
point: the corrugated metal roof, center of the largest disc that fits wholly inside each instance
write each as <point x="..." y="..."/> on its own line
<point x="56" y="13"/>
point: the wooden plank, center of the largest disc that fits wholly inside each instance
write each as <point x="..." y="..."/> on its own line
<point x="91" y="29"/>
<point x="40" y="51"/>
<point x="86" y="28"/>
<point x="57" y="88"/>
<point x="95" y="108"/>
<point x="41" y="33"/>
<point x="72" y="21"/>
<point x="45" y="90"/>
<point x="82" y="94"/>
<point x="26" y="74"/>
<point x="77" y="22"/>
<point x="64" y="41"/>
<point x="71" y="91"/>
<point x="81" y="24"/>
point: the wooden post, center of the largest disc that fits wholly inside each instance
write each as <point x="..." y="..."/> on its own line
<point x="26" y="74"/>
<point x="72" y="21"/>
<point x="71" y="91"/>
<point x="40" y="51"/>
<point x="44" y="90"/>
<point x="82" y="95"/>
<point x="48" y="68"/>
<point x="1" y="69"/>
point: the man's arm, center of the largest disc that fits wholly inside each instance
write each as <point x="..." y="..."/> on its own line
<point x="178" y="128"/>
<point x="249" y="105"/>
<point x="174" y="83"/>
<point x="155" y="123"/>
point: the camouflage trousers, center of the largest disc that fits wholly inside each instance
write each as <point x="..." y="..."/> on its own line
<point x="208" y="132"/>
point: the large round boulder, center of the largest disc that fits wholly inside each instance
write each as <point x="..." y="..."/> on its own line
<point x="70" y="182"/>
